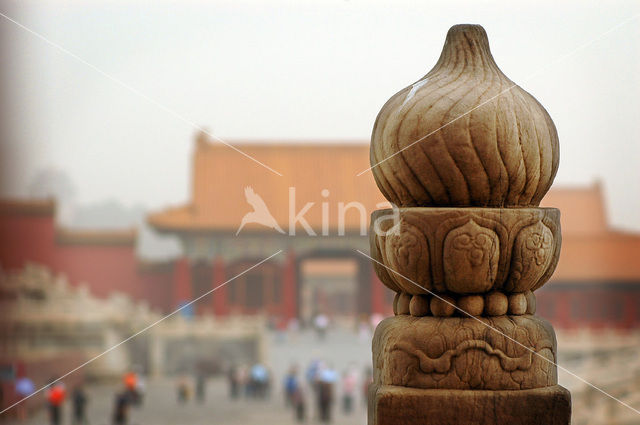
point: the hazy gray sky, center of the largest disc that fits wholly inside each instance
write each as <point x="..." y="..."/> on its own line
<point x="296" y="70"/>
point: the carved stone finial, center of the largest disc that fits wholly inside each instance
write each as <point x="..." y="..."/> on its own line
<point x="464" y="134"/>
<point x="464" y="345"/>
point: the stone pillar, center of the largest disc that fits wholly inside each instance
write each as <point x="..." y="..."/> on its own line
<point x="466" y="156"/>
<point x="219" y="277"/>
<point x="182" y="292"/>
<point x="289" y="286"/>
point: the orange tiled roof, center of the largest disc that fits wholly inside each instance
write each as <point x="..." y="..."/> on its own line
<point x="609" y="257"/>
<point x="582" y="209"/>
<point x="591" y="250"/>
<point x="221" y="174"/>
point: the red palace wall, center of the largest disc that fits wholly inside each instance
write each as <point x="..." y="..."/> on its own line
<point x="104" y="268"/>
<point x="105" y="261"/>
<point x="157" y="287"/>
<point x="595" y="305"/>
<point x="26" y="236"/>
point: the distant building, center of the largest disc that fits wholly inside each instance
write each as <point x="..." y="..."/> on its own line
<point x="324" y="174"/>
<point x="597" y="282"/>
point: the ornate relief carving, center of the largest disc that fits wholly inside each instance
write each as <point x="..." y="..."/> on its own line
<point x="460" y="353"/>
<point x="403" y="248"/>
<point x="375" y="244"/>
<point x="406" y="249"/>
<point x="444" y="363"/>
<point x="531" y="256"/>
<point x="470" y="258"/>
<point x="467" y="251"/>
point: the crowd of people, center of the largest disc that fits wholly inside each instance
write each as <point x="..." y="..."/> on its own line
<point x="130" y="394"/>
<point x="56" y="395"/>
<point x="319" y="385"/>
<point x="250" y="382"/>
<point x="312" y="393"/>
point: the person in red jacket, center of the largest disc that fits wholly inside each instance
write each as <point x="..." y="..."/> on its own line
<point x="130" y="380"/>
<point x="56" y="395"/>
<point x="131" y="383"/>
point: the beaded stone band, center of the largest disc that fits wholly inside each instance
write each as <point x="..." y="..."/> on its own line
<point x="447" y="305"/>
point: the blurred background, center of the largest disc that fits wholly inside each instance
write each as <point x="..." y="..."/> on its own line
<point x="121" y="200"/>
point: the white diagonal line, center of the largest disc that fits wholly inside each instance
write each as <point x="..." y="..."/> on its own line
<point x="436" y="130"/>
<point x="553" y="62"/>
<point x="141" y="331"/>
<point x="503" y="334"/>
<point x="137" y="92"/>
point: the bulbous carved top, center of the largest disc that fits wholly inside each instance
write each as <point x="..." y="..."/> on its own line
<point x="464" y="134"/>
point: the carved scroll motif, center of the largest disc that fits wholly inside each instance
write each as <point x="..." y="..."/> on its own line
<point x="407" y="250"/>
<point x="443" y="363"/>
<point x="470" y="258"/>
<point x="532" y="254"/>
<point x="461" y="353"/>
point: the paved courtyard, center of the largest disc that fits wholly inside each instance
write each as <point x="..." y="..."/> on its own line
<point x="618" y="373"/>
<point x="340" y="349"/>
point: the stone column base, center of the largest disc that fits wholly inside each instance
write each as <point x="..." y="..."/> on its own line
<point x="395" y="405"/>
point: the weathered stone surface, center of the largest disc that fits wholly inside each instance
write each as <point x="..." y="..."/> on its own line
<point x="465" y="251"/>
<point x="393" y="405"/>
<point x="496" y="304"/>
<point x="473" y="305"/>
<point x="443" y="306"/>
<point x="430" y="148"/>
<point x="465" y="347"/>
<point x="517" y="304"/>
<point x="403" y="303"/>
<point x="464" y="353"/>
<point x="446" y="305"/>
<point x="395" y="303"/>
<point x="531" y="302"/>
<point x="419" y="306"/>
